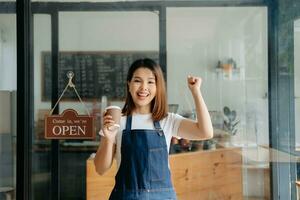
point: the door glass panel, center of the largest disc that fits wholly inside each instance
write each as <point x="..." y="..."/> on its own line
<point x="41" y="148"/>
<point x="8" y="87"/>
<point x="227" y="47"/>
<point x="92" y="44"/>
<point x="297" y="81"/>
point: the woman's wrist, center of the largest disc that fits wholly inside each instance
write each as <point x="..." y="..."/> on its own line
<point x="197" y="94"/>
<point x="108" y="140"/>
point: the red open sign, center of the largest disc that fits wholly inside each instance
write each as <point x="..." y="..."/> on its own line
<point x="69" y="125"/>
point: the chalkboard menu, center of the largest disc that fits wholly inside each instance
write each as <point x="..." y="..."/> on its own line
<point x="95" y="73"/>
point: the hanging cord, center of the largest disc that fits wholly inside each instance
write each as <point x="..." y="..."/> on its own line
<point x="70" y="75"/>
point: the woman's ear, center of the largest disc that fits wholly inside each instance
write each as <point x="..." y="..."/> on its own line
<point x="128" y="85"/>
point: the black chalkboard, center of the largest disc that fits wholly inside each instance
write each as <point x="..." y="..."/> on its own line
<point x="95" y="73"/>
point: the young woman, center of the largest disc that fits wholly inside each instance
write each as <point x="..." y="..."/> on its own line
<point x="141" y="144"/>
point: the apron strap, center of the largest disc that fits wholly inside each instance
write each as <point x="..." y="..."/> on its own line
<point x="158" y="128"/>
<point x="156" y="125"/>
<point x="128" y="123"/>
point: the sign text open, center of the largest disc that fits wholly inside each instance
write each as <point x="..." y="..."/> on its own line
<point x="69" y="125"/>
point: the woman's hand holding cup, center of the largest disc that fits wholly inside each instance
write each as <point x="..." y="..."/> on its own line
<point x="111" y="122"/>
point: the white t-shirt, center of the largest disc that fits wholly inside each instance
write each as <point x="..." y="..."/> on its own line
<point x="169" y="124"/>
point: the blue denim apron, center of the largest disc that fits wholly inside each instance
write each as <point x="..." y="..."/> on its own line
<point x="143" y="173"/>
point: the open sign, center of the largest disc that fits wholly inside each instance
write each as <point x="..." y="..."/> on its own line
<point x="69" y="125"/>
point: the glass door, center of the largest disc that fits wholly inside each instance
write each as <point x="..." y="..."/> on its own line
<point x="98" y="47"/>
<point x="227" y="47"/>
<point x="8" y="87"/>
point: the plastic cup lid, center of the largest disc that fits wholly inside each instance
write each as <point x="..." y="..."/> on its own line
<point x="109" y="107"/>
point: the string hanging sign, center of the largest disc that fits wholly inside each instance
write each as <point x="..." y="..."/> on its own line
<point x="69" y="124"/>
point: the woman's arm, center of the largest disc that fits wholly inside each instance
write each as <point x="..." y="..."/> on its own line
<point x="106" y="151"/>
<point x="202" y="128"/>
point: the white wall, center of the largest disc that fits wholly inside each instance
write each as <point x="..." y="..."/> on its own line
<point x="8" y="49"/>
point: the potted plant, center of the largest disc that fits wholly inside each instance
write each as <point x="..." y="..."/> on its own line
<point x="230" y="121"/>
<point x="209" y="144"/>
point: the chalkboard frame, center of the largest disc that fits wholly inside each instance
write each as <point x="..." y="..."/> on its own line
<point x="46" y="82"/>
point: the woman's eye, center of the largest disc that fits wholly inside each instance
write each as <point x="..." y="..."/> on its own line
<point x="151" y="82"/>
<point x="137" y="81"/>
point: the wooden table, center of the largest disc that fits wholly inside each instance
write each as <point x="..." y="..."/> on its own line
<point x="211" y="174"/>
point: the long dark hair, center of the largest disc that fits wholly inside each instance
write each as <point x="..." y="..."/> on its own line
<point x="159" y="106"/>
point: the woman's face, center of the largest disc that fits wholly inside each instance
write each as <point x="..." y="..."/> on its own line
<point x="142" y="88"/>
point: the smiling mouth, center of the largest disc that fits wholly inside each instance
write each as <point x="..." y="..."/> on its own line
<point x="142" y="94"/>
